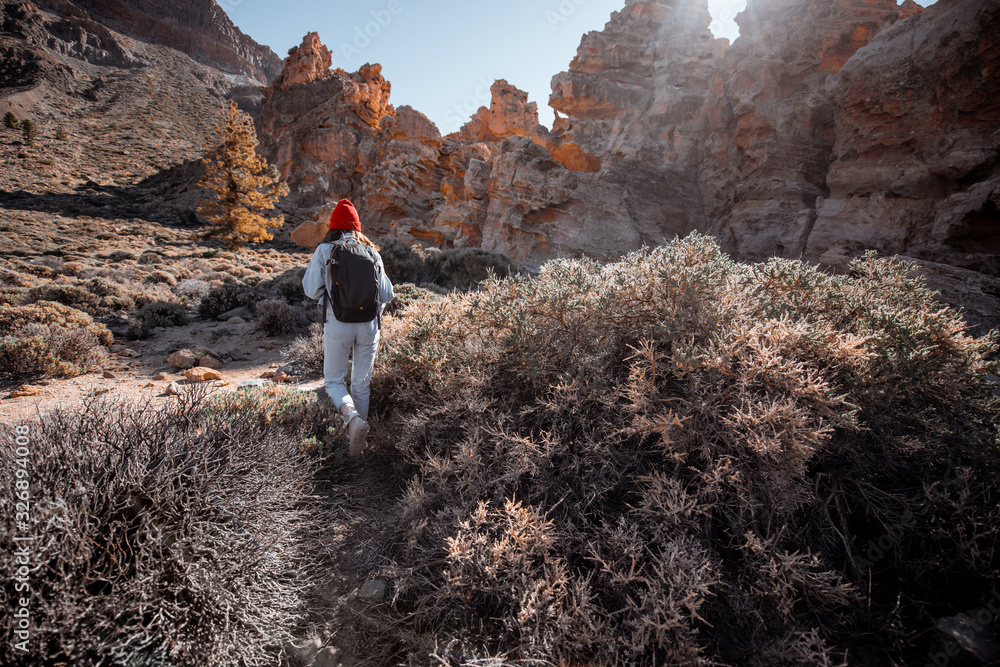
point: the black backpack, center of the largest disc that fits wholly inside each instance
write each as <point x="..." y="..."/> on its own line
<point x="353" y="272"/>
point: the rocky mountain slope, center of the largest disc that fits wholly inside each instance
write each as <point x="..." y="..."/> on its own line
<point x="826" y="129"/>
<point x="133" y="99"/>
<point x="198" y="28"/>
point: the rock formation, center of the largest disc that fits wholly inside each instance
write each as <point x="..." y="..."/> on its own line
<point x="916" y="166"/>
<point x="827" y="128"/>
<point x="764" y="198"/>
<point x="321" y="127"/>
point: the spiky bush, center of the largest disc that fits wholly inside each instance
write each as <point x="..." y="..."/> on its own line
<point x="306" y="352"/>
<point x="71" y="295"/>
<point x="229" y="296"/>
<point x="162" y="539"/>
<point x="10" y="121"/>
<point x="406" y="295"/>
<point x="678" y="459"/>
<point x="38" y="350"/>
<point x="192" y="289"/>
<point x="402" y="264"/>
<point x="51" y="313"/>
<point x="455" y="268"/>
<point x="97" y="296"/>
<point x="157" y="314"/>
<point x="465" y="268"/>
<point x="288" y="284"/>
<point x="276" y="318"/>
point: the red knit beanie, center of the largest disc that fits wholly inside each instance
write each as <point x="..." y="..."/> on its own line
<point x="345" y="216"/>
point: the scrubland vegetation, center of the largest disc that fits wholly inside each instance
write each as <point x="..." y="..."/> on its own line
<point x="58" y="315"/>
<point x="669" y="459"/>
<point x="677" y="459"/>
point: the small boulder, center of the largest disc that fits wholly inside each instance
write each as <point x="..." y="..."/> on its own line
<point x="208" y="361"/>
<point x="199" y="374"/>
<point x="201" y="351"/>
<point x="267" y="375"/>
<point x="160" y="376"/>
<point x="23" y="391"/>
<point x="236" y="320"/>
<point x="242" y="312"/>
<point x="173" y="389"/>
<point x="109" y="375"/>
<point x="182" y="359"/>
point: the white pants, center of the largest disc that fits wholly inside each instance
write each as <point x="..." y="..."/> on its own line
<point x="340" y="339"/>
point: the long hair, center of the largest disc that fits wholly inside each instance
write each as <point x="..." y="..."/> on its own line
<point x="335" y="234"/>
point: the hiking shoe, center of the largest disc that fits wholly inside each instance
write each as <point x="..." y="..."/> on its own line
<point x="357" y="429"/>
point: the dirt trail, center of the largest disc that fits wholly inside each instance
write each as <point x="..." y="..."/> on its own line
<point x="360" y="494"/>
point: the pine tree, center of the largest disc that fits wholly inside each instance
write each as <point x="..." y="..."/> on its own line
<point x="10" y="121"/>
<point x="28" y="132"/>
<point x="241" y="185"/>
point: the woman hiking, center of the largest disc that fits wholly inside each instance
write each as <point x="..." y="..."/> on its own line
<point x="356" y="295"/>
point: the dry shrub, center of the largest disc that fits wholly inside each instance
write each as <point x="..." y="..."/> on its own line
<point x="299" y="412"/>
<point x="288" y="285"/>
<point x="678" y="459"/>
<point x="157" y="314"/>
<point x="277" y="318"/>
<point x="150" y="257"/>
<point x="97" y="296"/>
<point x="11" y="294"/>
<point x="455" y="268"/>
<point x="161" y="277"/>
<point x="466" y="268"/>
<point x="70" y="295"/>
<point x="73" y="268"/>
<point x="406" y="295"/>
<point x="47" y="312"/>
<point x="402" y="263"/>
<point x="163" y="539"/>
<point x="192" y="289"/>
<point x="229" y="296"/>
<point x="50" y="339"/>
<point x="38" y="350"/>
<point x="306" y="352"/>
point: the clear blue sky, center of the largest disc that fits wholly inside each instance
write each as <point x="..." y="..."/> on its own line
<point x="441" y="56"/>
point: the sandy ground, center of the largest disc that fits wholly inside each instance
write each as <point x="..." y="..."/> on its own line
<point x="134" y="365"/>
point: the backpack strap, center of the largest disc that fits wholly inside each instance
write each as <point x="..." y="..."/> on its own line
<point x="325" y="301"/>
